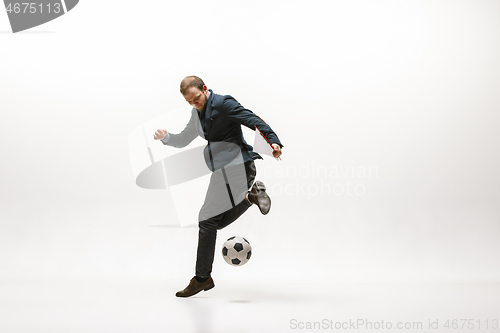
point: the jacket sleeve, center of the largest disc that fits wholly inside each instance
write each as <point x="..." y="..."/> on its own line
<point x="185" y="137"/>
<point x="235" y="112"/>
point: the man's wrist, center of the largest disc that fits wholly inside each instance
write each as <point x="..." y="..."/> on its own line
<point x="166" y="138"/>
<point x="279" y="144"/>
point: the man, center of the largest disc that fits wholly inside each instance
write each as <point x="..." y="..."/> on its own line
<point x="218" y="119"/>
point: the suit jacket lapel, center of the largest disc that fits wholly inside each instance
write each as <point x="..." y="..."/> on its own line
<point x="208" y="112"/>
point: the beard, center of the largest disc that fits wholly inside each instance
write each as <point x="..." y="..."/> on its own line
<point x="203" y="108"/>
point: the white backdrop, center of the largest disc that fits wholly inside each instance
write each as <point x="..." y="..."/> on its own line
<point x="388" y="111"/>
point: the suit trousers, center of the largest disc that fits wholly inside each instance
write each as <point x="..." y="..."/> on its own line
<point x="224" y="203"/>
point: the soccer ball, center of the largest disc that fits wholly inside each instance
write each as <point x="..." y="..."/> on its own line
<point x="236" y="251"/>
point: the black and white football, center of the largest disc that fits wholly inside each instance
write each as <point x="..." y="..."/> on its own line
<point x="236" y="251"/>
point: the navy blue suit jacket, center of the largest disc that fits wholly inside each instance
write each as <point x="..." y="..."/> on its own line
<point x="223" y="119"/>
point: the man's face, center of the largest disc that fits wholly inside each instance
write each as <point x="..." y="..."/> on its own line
<point x="197" y="98"/>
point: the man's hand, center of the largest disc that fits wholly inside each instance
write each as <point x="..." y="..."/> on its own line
<point x="277" y="150"/>
<point x="160" y="134"/>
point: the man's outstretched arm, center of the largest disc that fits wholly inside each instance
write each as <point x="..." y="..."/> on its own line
<point x="237" y="113"/>
<point x="180" y="140"/>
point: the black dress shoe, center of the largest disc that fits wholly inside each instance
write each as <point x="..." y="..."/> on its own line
<point x="195" y="287"/>
<point x="259" y="197"/>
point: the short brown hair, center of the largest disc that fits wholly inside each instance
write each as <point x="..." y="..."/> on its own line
<point x="191" y="81"/>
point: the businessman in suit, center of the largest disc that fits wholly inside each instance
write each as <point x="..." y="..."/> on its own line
<point x="218" y="119"/>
